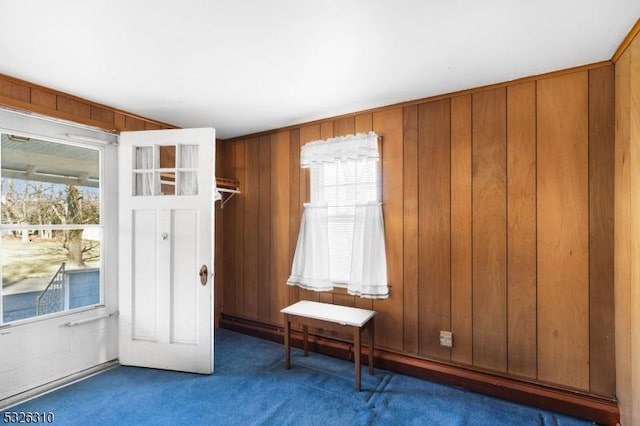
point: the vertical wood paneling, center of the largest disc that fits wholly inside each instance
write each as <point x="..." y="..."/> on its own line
<point x="250" y="194"/>
<point x="388" y="124"/>
<point x="279" y="250"/>
<point x="295" y="204"/>
<point x="601" y="202"/>
<point x="434" y="226"/>
<point x="230" y="214"/>
<point x="627" y="234"/>
<point x="307" y="134"/>
<point x="14" y="90"/>
<point x="410" y="219"/>
<point x="238" y="172"/>
<point x="25" y="95"/>
<point x="344" y="126"/>
<point x="106" y="116"/>
<point x="623" y="237"/>
<point x="42" y="98"/>
<point x="461" y="272"/>
<point x="521" y="229"/>
<point x="364" y="124"/>
<point x="75" y="107"/>
<point x="326" y="130"/>
<point x="119" y="120"/>
<point x="218" y="260"/>
<point x="147" y="125"/>
<point x="130" y="123"/>
<point x="633" y="398"/>
<point x="563" y="230"/>
<point x="489" y="230"/>
<point x="264" y="228"/>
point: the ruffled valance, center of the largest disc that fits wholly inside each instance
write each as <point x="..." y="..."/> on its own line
<point x="343" y="148"/>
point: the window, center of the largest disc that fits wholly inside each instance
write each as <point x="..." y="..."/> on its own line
<point x="341" y="239"/>
<point x="51" y="227"/>
<point x="341" y="186"/>
<point x="155" y="172"/>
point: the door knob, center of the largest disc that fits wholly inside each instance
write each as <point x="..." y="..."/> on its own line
<point x="204" y="275"/>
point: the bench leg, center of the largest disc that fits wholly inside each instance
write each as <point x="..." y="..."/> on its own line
<point x="371" y="334"/>
<point x="356" y="355"/>
<point x="287" y="335"/>
<point x="305" y="339"/>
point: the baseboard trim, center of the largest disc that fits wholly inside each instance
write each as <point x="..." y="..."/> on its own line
<point x="589" y="407"/>
<point x="56" y="384"/>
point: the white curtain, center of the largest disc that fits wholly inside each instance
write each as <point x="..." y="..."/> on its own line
<point x="145" y="183"/>
<point x="310" y="269"/>
<point x="368" y="260"/>
<point x="188" y="180"/>
<point x="311" y="263"/>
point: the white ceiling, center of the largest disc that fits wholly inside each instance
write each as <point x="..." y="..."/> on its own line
<point x="244" y="66"/>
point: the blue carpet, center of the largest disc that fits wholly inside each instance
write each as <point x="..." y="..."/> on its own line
<point x="250" y="386"/>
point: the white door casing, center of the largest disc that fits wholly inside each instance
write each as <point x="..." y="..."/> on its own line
<point x="166" y="314"/>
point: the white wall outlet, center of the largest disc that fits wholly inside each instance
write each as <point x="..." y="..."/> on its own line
<point x="446" y="339"/>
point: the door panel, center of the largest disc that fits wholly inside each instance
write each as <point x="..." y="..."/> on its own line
<point x="166" y="235"/>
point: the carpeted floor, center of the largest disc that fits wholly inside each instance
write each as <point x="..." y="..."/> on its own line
<point x="251" y="387"/>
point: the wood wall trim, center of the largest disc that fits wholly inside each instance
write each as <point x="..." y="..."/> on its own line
<point x="597" y="409"/>
<point x="27" y="96"/>
<point x="587" y="67"/>
<point x="626" y="42"/>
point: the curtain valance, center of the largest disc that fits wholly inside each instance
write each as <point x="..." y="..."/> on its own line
<point x="343" y="148"/>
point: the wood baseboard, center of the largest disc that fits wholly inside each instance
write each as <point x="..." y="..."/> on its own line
<point x="589" y="407"/>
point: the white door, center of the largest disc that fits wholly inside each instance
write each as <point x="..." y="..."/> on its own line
<point x="165" y="239"/>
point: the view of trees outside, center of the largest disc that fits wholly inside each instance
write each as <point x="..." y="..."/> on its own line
<point x="31" y="257"/>
<point x="37" y="203"/>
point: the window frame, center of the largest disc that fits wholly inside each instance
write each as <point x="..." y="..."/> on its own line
<point x="47" y="129"/>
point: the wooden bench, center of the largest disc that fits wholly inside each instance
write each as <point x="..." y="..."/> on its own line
<point x="335" y="317"/>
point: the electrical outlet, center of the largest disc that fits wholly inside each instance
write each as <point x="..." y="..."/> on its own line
<point x="446" y="338"/>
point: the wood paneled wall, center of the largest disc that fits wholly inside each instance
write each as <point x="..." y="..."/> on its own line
<point x="627" y="234"/>
<point x="31" y="97"/>
<point x="498" y="220"/>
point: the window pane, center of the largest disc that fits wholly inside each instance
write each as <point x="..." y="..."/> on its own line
<point x="342" y="185"/>
<point x="188" y="182"/>
<point x="49" y="183"/>
<point x="346" y="172"/>
<point x="340" y="246"/>
<point x="49" y="271"/>
<point x="142" y="184"/>
<point x="143" y="159"/>
<point x="168" y="157"/>
<point x="167" y="183"/>
<point x="188" y="156"/>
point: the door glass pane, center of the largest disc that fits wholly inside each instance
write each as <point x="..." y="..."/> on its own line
<point x="188" y="156"/>
<point x="167" y="182"/>
<point x="168" y="157"/>
<point x="142" y="184"/>
<point x="188" y="182"/>
<point x="143" y="158"/>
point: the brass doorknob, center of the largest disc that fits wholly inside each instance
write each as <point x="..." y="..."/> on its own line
<point x="204" y="275"/>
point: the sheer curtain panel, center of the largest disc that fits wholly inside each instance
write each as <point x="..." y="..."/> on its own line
<point x="310" y="269"/>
